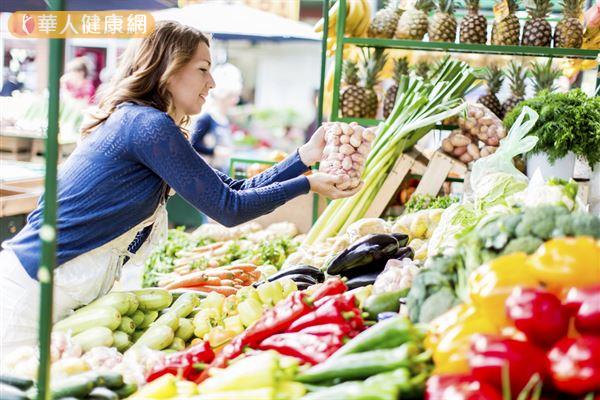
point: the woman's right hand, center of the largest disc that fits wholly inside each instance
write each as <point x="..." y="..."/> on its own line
<point x="324" y="184"/>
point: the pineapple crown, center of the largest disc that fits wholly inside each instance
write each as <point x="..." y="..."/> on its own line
<point x="472" y="6"/>
<point x="516" y="75"/>
<point x="422" y="69"/>
<point x="572" y="8"/>
<point x="400" y="67"/>
<point x="350" y="72"/>
<point x="372" y="65"/>
<point x="494" y="77"/>
<point x="445" y="6"/>
<point x="424" y="5"/>
<point x="513" y="6"/>
<point x="539" y="8"/>
<point x="544" y="75"/>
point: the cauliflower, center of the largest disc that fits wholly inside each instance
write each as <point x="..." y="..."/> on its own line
<point x="283" y="229"/>
<point x="367" y="226"/>
<point x="397" y="275"/>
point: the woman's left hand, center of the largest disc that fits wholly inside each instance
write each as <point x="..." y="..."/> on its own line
<point x="312" y="151"/>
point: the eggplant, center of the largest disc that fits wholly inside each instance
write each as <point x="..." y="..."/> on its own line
<point x="362" y="280"/>
<point x="303" y="285"/>
<point x="301" y="278"/>
<point x="401" y="238"/>
<point x="372" y="248"/>
<point x="404" y="252"/>
<point x="299" y="269"/>
<point x="365" y="269"/>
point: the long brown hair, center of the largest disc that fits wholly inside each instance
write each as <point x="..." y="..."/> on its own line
<point x="144" y="71"/>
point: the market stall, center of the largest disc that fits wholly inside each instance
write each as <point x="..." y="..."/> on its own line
<point x="454" y="273"/>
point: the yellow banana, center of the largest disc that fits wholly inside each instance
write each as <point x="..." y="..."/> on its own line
<point x="353" y="19"/>
<point x="365" y="19"/>
<point x="333" y="15"/>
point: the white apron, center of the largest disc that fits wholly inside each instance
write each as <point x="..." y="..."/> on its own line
<point x="76" y="282"/>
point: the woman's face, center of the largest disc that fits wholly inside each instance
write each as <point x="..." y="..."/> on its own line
<point x="190" y="85"/>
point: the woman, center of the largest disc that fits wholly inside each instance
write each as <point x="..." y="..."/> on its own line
<point x="112" y="189"/>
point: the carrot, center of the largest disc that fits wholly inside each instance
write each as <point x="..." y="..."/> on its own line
<point x="224" y="290"/>
<point x="243" y="267"/>
<point x="226" y="282"/>
<point x="193" y="279"/>
<point x="215" y="272"/>
<point x="208" y="247"/>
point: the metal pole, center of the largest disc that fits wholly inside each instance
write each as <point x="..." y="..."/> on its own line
<point x="48" y="230"/>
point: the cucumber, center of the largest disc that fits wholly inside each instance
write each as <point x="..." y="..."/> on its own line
<point x="94" y="337"/>
<point x="17" y="382"/>
<point x="76" y="386"/>
<point x="178" y="344"/>
<point x="8" y="392"/>
<point x="134" y="303"/>
<point x="107" y="317"/>
<point x="185" y="330"/>
<point x="383" y="302"/>
<point x="157" y="337"/>
<point x="127" y="325"/>
<point x="153" y="299"/>
<point x="137" y="318"/>
<point x="185" y="304"/>
<point x="121" y="341"/>
<point x="149" y="318"/>
<point x="127" y="390"/>
<point x="170" y="319"/>
<point x="102" y="393"/>
<point x="121" y="301"/>
<point x="110" y="380"/>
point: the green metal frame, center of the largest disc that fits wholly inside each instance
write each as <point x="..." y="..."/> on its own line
<point x="433" y="46"/>
<point x="48" y="230"/>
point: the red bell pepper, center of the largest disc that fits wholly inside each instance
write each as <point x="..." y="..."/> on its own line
<point x="574" y="365"/>
<point x="459" y="387"/>
<point x="184" y="363"/>
<point x="340" y="330"/>
<point x="308" y="348"/>
<point x="490" y="355"/>
<point x="584" y="303"/>
<point x="338" y="309"/>
<point x="330" y="287"/>
<point x="538" y="314"/>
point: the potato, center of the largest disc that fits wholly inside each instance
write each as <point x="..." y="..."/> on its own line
<point x="346" y="129"/>
<point x="459" y="140"/>
<point x="346" y="149"/>
<point x="466" y="158"/>
<point x="356" y="140"/>
<point x="344" y="139"/>
<point x="447" y="146"/>
<point x="473" y="151"/>
<point x="459" y="151"/>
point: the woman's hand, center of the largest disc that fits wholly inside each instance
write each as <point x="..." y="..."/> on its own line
<point x="311" y="152"/>
<point x="324" y="184"/>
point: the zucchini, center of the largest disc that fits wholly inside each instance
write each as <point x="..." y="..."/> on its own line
<point x="121" y="301"/>
<point x="137" y="318"/>
<point x="185" y="304"/>
<point x="107" y="317"/>
<point x="9" y="392"/>
<point x="110" y="380"/>
<point x="75" y="386"/>
<point x="134" y="303"/>
<point x="127" y="325"/>
<point x="136" y="335"/>
<point x="149" y="318"/>
<point x="102" y="393"/>
<point x="157" y="337"/>
<point x="383" y="302"/>
<point x="121" y="341"/>
<point x="170" y="319"/>
<point x="17" y="382"/>
<point x="127" y="390"/>
<point x="94" y="337"/>
<point x="178" y="344"/>
<point x="153" y="299"/>
<point x="185" y="330"/>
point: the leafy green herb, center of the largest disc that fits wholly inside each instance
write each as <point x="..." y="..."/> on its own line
<point x="567" y="122"/>
<point x="426" y="201"/>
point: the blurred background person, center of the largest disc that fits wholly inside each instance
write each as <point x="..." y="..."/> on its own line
<point x="10" y="83"/>
<point x="76" y="81"/>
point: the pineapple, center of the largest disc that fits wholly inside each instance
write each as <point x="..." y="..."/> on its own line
<point x="352" y="96"/>
<point x="569" y="30"/>
<point x="494" y="77"/>
<point x="507" y="31"/>
<point x="422" y="69"/>
<point x="413" y="22"/>
<point x="473" y="27"/>
<point x="516" y="77"/>
<point x="400" y="69"/>
<point x="443" y="25"/>
<point x="372" y="66"/>
<point x="385" y="21"/>
<point x="537" y="30"/>
<point x="544" y="76"/>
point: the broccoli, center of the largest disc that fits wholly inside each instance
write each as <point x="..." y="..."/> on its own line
<point x="577" y="224"/>
<point x="493" y="234"/>
<point x="526" y="244"/>
<point x="540" y="221"/>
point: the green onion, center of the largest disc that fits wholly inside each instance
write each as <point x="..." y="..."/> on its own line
<point x="419" y="106"/>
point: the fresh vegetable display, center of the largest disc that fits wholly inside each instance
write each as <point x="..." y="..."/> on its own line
<point x="347" y="148"/>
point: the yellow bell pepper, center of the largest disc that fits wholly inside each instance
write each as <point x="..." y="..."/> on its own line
<point x="449" y="339"/>
<point x="566" y="262"/>
<point x="490" y="285"/>
<point x="164" y="387"/>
